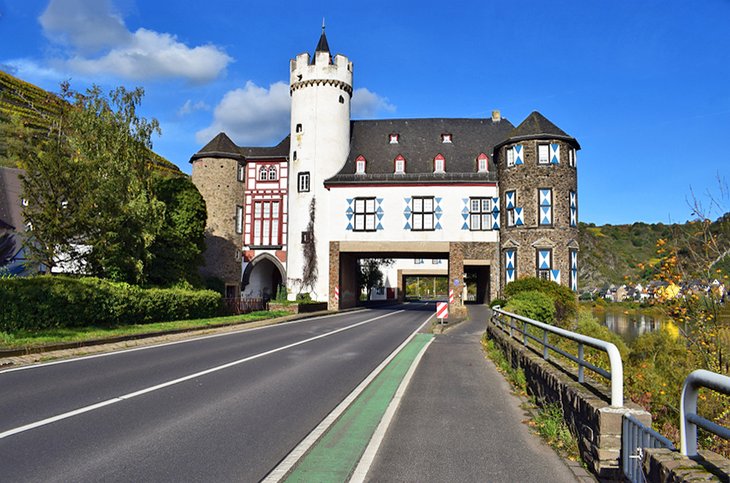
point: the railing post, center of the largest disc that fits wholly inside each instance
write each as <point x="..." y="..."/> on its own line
<point x="511" y="326"/>
<point x="524" y="333"/>
<point x="580" y="362"/>
<point x="544" y="344"/>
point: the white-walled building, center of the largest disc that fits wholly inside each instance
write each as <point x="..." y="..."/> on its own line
<point x="492" y="200"/>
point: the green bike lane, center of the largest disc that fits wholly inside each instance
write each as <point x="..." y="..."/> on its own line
<point x="336" y="454"/>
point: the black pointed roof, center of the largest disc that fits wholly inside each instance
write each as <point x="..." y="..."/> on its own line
<point x="221" y="146"/>
<point x="537" y="126"/>
<point x="322" y="45"/>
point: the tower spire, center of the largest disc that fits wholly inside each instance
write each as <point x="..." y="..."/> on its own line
<point x="322" y="45"/>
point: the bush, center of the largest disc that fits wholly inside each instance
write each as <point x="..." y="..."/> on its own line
<point x="564" y="300"/>
<point x="500" y="302"/>
<point x="533" y="304"/>
<point x="45" y="302"/>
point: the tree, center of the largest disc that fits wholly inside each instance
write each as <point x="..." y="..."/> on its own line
<point x="176" y="251"/>
<point x="87" y="182"/>
<point x="371" y="274"/>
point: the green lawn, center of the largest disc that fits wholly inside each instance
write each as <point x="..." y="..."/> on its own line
<point x="22" y="339"/>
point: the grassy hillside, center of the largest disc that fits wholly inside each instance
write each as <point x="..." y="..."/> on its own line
<point x="38" y="108"/>
<point x="610" y="253"/>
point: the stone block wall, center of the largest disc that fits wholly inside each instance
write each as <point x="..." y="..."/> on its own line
<point x="596" y="425"/>
<point x="667" y="466"/>
<point x="460" y="251"/>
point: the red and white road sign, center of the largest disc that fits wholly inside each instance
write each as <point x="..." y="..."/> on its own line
<point x="451" y="296"/>
<point x="442" y="310"/>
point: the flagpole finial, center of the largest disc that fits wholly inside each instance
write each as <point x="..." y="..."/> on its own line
<point x="322" y="24"/>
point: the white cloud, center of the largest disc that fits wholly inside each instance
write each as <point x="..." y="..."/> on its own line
<point x="252" y="116"/>
<point x="367" y="104"/>
<point x="190" y="107"/>
<point x="101" y="44"/>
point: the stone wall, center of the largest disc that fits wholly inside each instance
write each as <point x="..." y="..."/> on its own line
<point x="460" y="251"/>
<point x="216" y="179"/>
<point x="667" y="466"/>
<point x="595" y="424"/>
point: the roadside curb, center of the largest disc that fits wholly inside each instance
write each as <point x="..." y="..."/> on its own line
<point x="5" y="354"/>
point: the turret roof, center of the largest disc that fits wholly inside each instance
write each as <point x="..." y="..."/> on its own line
<point x="222" y="146"/>
<point x="537" y="126"/>
<point x="322" y="45"/>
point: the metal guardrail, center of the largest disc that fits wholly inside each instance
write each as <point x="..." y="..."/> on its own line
<point x="616" y="375"/>
<point x="634" y="438"/>
<point x="688" y="407"/>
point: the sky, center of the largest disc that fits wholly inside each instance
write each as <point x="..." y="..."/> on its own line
<point x="644" y="86"/>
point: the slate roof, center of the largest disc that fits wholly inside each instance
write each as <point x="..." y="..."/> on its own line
<point x="537" y="126"/>
<point x="322" y="45"/>
<point x="222" y="146"/>
<point x="419" y="142"/>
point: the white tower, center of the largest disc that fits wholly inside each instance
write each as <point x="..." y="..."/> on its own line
<point x="320" y="90"/>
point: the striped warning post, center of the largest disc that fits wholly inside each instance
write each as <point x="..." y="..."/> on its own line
<point x="451" y="296"/>
<point x="337" y="294"/>
<point x="442" y="310"/>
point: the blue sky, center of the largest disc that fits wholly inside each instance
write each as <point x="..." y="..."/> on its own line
<point x="643" y="86"/>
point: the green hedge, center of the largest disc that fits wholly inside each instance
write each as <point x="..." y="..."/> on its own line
<point x="533" y="304"/>
<point x="565" y="300"/>
<point x="45" y="302"/>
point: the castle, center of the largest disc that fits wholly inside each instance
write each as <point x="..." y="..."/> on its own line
<point x="495" y="201"/>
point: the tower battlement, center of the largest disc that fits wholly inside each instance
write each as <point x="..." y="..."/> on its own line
<point x="323" y="71"/>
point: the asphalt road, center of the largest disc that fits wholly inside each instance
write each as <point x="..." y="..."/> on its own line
<point x="220" y="408"/>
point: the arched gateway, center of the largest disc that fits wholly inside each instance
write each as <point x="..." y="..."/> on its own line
<point x="262" y="277"/>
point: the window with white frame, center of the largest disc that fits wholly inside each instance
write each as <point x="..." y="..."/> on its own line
<point x="439" y="164"/>
<point x="510" y="157"/>
<point x="393" y="138"/>
<point x="545" y="206"/>
<point x="480" y="214"/>
<point x="543" y="154"/>
<point x="364" y="214"/>
<point x="446" y="138"/>
<point x="418" y="261"/>
<point x="482" y="163"/>
<point x="267" y="223"/>
<point x="422" y="211"/>
<point x="239" y="219"/>
<point x="510" y="205"/>
<point x="241" y="172"/>
<point x="264" y="173"/>
<point x="303" y="182"/>
<point x="400" y="165"/>
<point x="544" y="262"/>
<point x="272" y="173"/>
<point x="572" y="158"/>
<point x="360" y="164"/>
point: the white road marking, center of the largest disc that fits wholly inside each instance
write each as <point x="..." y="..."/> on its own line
<point x="163" y="344"/>
<point x="366" y="461"/>
<point x="283" y="468"/>
<point x="131" y="395"/>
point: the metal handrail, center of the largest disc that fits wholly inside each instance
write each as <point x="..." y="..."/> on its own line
<point x="688" y="407"/>
<point x="616" y="376"/>
<point x="635" y="437"/>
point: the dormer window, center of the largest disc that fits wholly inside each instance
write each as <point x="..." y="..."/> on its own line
<point x="394" y="138"/>
<point x="299" y="128"/>
<point x="446" y="138"/>
<point x="482" y="163"/>
<point x="400" y="165"/>
<point x="439" y="164"/>
<point x="360" y="163"/>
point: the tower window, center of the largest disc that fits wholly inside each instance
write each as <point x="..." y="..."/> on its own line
<point x="241" y="173"/>
<point x="360" y="164"/>
<point x="446" y="138"/>
<point x="394" y="138"/>
<point x="543" y="154"/>
<point x="544" y="263"/>
<point x="342" y="100"/>
<point x="545" y="207"/>
<point x="482" y="163"/>
<point x="572" y="158"/>
<point x="480" y="214"/>
<point x="511" y="204"/>
<point x="239" y="219"/>
<point x="510" y="157"/>
<point x="299" y="128"/>
<point x="400" y="165"/>
<point x="439" y="164"/>
<point x="303" y="182"/>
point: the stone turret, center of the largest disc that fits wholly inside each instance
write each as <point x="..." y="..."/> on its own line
<point x="538" y="191"/>
<point x="321" y="90"/>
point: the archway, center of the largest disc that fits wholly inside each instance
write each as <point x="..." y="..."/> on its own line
<point x="262" y="277"/>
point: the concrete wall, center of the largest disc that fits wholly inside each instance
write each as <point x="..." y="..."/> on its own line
<point x="596" y="425"/>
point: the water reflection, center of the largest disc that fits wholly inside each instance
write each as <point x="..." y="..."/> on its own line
<point x="629" y="325"/>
